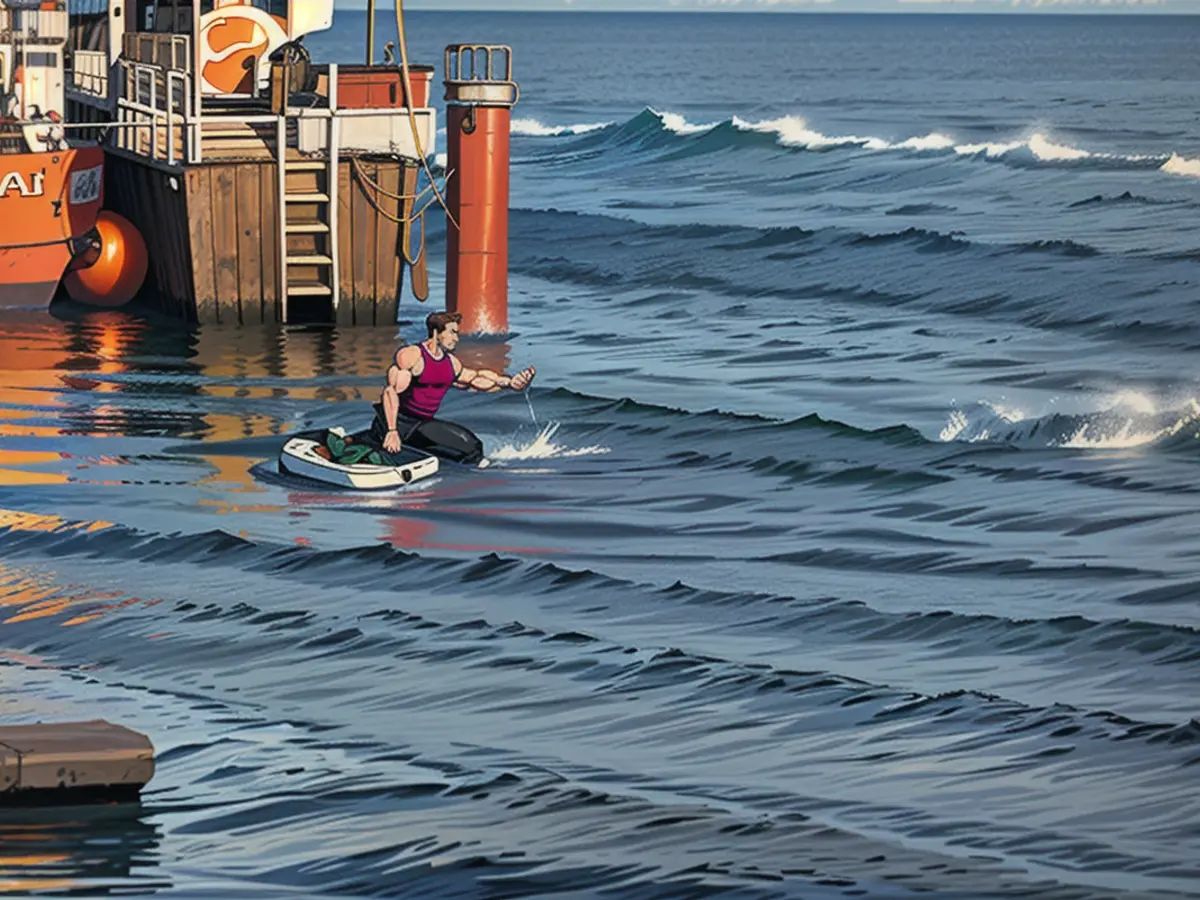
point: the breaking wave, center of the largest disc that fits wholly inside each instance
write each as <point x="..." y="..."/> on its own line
<point x="794" y="133"/>
<point x="1128" y="419"/>
<point x="534" y="128"/>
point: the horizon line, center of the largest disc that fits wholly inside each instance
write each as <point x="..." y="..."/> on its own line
<point x="924" y="8"/>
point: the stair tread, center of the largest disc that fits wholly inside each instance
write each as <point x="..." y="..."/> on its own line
<point x="306" y="227"/>
<point x="306" y="165"/>
<point x="307" y="198"/>
<point x="308" y="289"/>
<point x="309" y="259"/>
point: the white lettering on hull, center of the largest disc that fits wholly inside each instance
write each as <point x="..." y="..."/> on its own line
<point x="14" y="181"/>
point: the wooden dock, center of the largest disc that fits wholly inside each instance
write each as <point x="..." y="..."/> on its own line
<point x="212" y="252"/>
<point x="286" y="207"/>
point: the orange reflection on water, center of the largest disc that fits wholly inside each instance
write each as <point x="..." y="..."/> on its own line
<point x="15" y="881"/>
<point x="37" y="596"/>
<point x="232" y="474"/>
<point x="10" y="476"/>
<point x="29" y="860"/>
<point x="18" y="520"/>
<point x="19" y="872"/>
<point x="224" y="507"/>
<point x="59" y="602"/>
<point x="41" y="359"/>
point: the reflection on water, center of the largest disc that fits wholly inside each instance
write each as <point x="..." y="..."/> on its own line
<point x="855" y="653"/>
<point x="81" y="849"/>
<point x="193" y="416"/>
<point x="101" y="373"/>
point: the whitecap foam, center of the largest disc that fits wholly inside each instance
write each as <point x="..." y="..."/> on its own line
<point x="1119" y="421"/>
<point x="543" y="447"/>
<point x="957" y="424"/>
<point x="991" y="150"/>
<point x="933" y="141"/>
<point x="983" y="422"/>
<point x="1133" y="401"/>
<point x="793" y="131"/>
<point x="1044" y="148"/>
<point x="535" y="128"/>
<point x="1181" y="165"/>
<point x="678" y="124"/>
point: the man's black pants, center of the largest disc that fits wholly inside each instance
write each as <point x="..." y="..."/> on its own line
<point x="446" y="440"/>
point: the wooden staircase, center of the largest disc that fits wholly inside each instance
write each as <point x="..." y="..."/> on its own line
<point x="227" y="138"/>
<point x="308" y="235"/>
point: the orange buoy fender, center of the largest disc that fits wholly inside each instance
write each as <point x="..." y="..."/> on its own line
<point x="117" y="274"/>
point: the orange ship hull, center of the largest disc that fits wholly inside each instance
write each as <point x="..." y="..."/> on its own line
<point x="48" y="203"/>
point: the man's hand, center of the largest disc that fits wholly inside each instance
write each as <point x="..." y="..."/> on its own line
<point x="391" y="442"/>
<point x="521" y="380"/>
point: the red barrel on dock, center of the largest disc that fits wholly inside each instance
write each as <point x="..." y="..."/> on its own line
<point x="480" y="95"/>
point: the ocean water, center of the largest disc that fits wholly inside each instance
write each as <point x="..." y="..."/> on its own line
<point x="845" y="547"/>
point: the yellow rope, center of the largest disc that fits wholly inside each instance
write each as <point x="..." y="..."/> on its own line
<point x="412" y="119"/>
<point x="378" y="188"/>
<point x="399" y="220"/>
<point x="403" y="221"/>
<point x="406" y="236"/>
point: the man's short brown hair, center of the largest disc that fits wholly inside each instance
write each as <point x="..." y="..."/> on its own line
<point x="435" y="323"/>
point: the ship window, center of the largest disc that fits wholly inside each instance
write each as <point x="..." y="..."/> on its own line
<point x="278" y="8"/>
<point x="87" y="7"/>
<point x="41" y="60"/>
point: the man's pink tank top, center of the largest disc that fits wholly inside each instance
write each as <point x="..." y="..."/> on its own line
<point x="424" y="395"/>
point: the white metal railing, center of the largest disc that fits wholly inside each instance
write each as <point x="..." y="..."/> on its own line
<point x="89" y="73"/>
<point x="157" y="113"/>
<point x="157" y="99"/>
<point x="171" y="51"/>
<point x="34" y="25"/>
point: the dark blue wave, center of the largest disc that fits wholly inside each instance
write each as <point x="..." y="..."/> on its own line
<point x="960" y="633"/>
<point x="648" y="132"/>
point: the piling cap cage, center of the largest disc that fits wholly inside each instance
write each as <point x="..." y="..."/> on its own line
<point x="473" y="79"/>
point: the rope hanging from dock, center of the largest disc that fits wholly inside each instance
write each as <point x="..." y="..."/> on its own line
<point x="403" y="221"/>
<point x="412" y="119"/>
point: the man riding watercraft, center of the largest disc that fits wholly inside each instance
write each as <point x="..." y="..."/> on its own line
<point x="417" y="381"/>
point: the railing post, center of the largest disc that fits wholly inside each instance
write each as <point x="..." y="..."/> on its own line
<point x="281" y="159"/>
<point x="334" y="180"/>
<point x="153" y="104"/>
<point x="170" y="120"/>
<point x="197" y="98"/>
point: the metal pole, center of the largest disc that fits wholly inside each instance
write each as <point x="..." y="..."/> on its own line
<point x="334" y="181"/>
<point x="370" y="32"/>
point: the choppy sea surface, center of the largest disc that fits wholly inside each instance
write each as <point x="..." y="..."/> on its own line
<point x="845" y="544"/>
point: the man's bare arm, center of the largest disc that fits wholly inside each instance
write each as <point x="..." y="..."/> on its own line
<point x="485" y="380"/>
<point x="399" y="377"/>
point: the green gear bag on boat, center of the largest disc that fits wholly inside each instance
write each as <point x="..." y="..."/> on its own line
<point x="347" y="453"/>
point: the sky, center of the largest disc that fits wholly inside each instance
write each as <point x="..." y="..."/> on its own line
<point x="1145" y="7"/>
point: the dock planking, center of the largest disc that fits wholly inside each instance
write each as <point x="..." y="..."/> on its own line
<point x="209" y="230"/>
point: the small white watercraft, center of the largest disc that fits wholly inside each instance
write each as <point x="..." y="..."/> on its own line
<point x="333" y="457"/>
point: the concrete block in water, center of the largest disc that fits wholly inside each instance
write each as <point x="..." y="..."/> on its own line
<point x="72" y="762"/>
